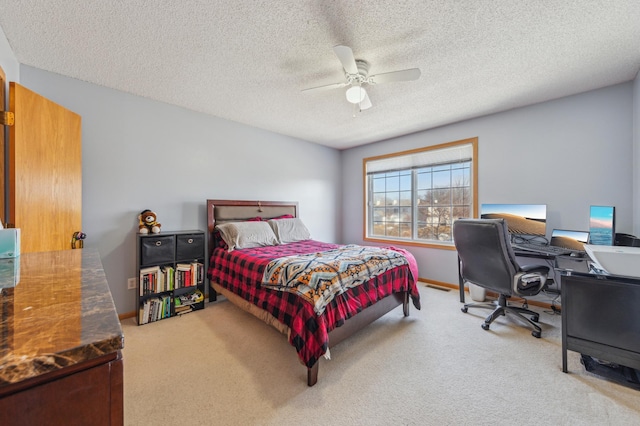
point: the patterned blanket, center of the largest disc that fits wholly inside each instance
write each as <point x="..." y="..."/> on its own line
<point x="319" y="277"/>
<point x="241" y="272"/>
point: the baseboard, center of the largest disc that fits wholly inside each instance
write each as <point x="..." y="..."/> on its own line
<point x="490" y="295"/>
<point x="127" y="315"/>
<point x="439" y="284"/>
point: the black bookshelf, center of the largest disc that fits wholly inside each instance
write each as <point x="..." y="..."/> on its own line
<point x="171" y="270"/>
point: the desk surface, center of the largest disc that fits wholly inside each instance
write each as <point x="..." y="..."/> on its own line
<point x="59" y="314"/>
<point x="567" y="263"/>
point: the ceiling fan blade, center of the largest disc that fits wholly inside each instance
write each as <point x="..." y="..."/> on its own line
<point x="365" y="103"/>
<point x="404" y="75"/>
<point x="345" y="54"/>
<point x="327" y="87"/>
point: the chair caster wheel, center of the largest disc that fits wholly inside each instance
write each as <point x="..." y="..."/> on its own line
<point x="535" y="318"/>
<point x="536" y="333"/>
<point x="485" y="326"/>
<point x="464" y="309"/>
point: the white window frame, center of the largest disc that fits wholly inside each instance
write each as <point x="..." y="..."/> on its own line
<point x="410" y="164"/>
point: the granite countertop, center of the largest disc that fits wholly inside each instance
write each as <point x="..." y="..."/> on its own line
<point x="59" y="313"/>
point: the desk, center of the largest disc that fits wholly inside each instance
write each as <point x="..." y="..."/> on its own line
<point x="601" y="317"/>
<point x="60" y="342"/>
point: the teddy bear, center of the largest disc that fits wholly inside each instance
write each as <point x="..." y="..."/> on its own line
<point x="148" y="222"/>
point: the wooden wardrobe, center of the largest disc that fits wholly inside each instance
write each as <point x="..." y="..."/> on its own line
<point x="43" y="188"/>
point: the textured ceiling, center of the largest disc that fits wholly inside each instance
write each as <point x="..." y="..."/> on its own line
<point x="248" y="61"/>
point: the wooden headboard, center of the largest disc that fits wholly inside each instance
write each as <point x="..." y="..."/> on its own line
<point x="220" y="211"/>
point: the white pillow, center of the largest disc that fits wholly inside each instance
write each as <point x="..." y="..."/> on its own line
<point x="239" y="235"/>
<point x="289" y="230"/>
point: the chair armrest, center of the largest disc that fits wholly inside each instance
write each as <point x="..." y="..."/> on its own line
<point x="540" y="269"/>
<point x="530" y="280"/>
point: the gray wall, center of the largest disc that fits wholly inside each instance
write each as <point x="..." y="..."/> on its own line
<point x="8" y="60"/>
<point x="585" y="140"/>
<point x="11" y="68"/>
<point x="636" y="155"/>
<point x="139" y="154"/>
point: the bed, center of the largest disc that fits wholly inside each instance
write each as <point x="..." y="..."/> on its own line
<point x="243" y="276"/>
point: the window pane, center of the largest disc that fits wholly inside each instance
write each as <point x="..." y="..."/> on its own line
<point x="392" y="230"/>
<point x="424" y="180"/>
<point x="405" y="181"/>
<point x="441" y="196"/>
<point x="405" y="214"/>
<point x="423" y="213"/>
<point x="378" y="183"/>
<point x="441" y="179"/>
<point x="441" y="215"/>
<point x="428" y="198"/>
<point x="378" y="214"/>
<point x="392" y="214"/>
<point x="405" y="230"/>
<point x="467" y="196"/>
<point x="405" y="198"/>
<point x="457" y="196"/>
<point x="378" y="199"/>
<point x="460" y="212"/>
<point x="459" y="177"/>
<point x="393" y="182"/>
<point x="425" y="232"/>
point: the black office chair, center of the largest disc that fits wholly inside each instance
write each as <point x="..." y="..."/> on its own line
<point x="487" y="260"/>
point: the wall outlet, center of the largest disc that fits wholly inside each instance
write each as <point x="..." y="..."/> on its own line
<point x="131" y="283"/>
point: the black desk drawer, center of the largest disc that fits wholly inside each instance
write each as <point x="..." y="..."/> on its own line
<point x="190" y="247"/>
<point x="157" y="250"/>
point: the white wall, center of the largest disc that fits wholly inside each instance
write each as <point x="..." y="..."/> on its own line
<point x="10" y="67"/>
<point x="140" y="154"/>
<point x="585" y="141"/>
<point x="8" y="60"/>
<point x="636" y="155"/>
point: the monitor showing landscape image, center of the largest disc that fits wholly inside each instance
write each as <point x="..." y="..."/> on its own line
<point x="602" y="225"/>
<point x="523" y="219"/>
<point x="573" y="240"/>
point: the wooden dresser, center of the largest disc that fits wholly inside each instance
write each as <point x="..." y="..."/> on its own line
<point x="60" y="341"/>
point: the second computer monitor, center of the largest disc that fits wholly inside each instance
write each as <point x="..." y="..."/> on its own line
<point x="522" y="219"/>
<point x="602" y="225"/>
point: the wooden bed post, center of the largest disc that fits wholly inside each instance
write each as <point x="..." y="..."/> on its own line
<point x="312" y="374"/>
<point x="405" y="304"/>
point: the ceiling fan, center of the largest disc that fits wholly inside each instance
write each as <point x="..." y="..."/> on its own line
<point x="357" y="75"/>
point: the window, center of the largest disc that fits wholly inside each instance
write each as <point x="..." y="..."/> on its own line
<point x="414" y="196"/>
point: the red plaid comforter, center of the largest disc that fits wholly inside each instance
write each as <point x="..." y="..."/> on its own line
<point x="241" y="271"/>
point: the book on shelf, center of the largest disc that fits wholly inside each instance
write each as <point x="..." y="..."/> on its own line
<point x="183" y="275"/>
<point x="197" y="272"/>
<point x="155" y="309"/>
<point x="168" y="277"/>
<point x="183" y="309"/>
<point x="149" y="280"/>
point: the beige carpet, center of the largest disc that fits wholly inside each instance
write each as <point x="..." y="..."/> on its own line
<point x="221" y="366"/>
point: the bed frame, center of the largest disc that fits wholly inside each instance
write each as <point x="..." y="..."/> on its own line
<point x="220" y="211"/>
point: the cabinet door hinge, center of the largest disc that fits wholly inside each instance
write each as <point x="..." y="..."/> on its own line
<point x="7" y="118"/>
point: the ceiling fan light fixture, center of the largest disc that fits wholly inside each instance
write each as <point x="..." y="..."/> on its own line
<point x="356" y="94"/>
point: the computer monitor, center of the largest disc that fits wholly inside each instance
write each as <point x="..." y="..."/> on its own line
<point x="574" y="240"/>
<point x="522" y="219"/>
<point x="602" y="225"/>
